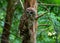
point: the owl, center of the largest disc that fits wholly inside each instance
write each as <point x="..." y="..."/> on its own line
<point x="26" y="21"/>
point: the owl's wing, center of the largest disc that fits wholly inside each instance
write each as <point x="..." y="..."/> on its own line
<point x="23" y="25"/>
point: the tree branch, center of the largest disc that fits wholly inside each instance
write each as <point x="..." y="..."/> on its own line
<point x="44" y="4"/>
<point x="21" y="3"/>
<point x="40" y="15"/>
<point x="43" y="25"/>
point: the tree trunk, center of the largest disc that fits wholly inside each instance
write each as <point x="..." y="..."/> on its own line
<point x="8" y="21"/>
<point x="28" y="27"/>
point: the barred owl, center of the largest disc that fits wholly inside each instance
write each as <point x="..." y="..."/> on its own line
<point x="26" y="21"/>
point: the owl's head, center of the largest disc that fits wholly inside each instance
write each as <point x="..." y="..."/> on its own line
<point x="30" y="12"/>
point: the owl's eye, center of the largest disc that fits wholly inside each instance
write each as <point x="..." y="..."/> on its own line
<point x="31" y="12"/>
<point x="27" y="12"/>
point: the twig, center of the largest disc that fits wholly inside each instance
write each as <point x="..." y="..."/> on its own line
<point x="40" y="16"/>
<point x="43" y="25"/>
<point x="21" y="4"/>
<point x="44" y="4"/>
<point x="44" y="30"/>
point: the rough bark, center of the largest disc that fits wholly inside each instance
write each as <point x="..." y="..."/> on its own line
<point x="8" y="21"/>
<point x="26" y="26"/>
